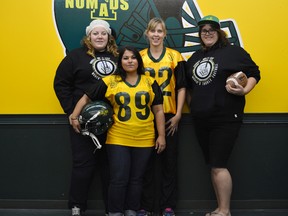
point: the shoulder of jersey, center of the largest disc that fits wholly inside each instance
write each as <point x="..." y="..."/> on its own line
<point x="147" y="77"/>
<point x="143" y="51"/>
<point x="110" y="78"/>
<point x="175" y="53"/>
<point x="168" y="49"/>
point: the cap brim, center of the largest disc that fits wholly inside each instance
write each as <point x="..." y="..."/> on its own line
<point x="204" y="22"/>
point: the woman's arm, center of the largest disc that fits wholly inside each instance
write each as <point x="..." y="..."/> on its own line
<point x="73" y="118"/>
<point x="241" y="91"/>
<point x="160" y="125"/>
<point x="173" y="122"/>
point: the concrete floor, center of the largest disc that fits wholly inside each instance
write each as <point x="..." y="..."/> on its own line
<point x="60" y="212"/>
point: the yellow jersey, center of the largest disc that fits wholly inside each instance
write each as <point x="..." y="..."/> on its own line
<point x="132" y="105"/>
<point x="169" y="73"/>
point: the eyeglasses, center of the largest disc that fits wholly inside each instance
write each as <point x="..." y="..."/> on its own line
<point x="210" y="32"/>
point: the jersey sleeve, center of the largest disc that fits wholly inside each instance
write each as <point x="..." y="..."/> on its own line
<point x="98" y="91"/>
<point x="158" y="94"/>
<point x="180" y="75"/>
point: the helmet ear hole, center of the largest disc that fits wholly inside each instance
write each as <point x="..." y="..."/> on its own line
<point x="96" y="118"/>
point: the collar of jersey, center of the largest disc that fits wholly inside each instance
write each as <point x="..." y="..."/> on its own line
<point x="130" y="85"/>
<point x="161" y="56"/>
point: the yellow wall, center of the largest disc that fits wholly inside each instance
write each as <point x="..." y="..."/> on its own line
<point x="31" y="51"/>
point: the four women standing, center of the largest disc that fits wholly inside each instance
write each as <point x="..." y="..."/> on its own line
<point x="217" y="110"/>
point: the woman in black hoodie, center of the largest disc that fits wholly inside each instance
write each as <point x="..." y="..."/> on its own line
<point x="76" y="73"/>
<point x="217" y="108"/>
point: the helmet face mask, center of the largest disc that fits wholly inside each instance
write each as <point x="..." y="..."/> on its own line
<point x="96" y="118"/>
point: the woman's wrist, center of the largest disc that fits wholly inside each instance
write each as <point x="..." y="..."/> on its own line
<point x="161" y="135"/>
<point x="73" y="118"/>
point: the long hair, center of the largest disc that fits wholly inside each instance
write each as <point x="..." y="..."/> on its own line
<point x="111" y="46"/>
<point x="222" y="38"/>
<point x="120" y="71"/>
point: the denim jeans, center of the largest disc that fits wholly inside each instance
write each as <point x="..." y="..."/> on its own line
<point x="127" y="167"/>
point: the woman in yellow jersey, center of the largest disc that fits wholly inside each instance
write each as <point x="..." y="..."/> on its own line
<point x="136" y="99"/>
<point x="167" y="67"/>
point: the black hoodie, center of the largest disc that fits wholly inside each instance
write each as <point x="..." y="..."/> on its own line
<point x="206" y="73"/>
<point x="75" y="75"/>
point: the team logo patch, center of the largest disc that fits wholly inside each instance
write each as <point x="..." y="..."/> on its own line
<point x="204" y="71"/>
<point x="102" y="67"/>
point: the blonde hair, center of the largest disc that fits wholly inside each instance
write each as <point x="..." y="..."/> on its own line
<point x="153" y="23"/>
<point x="111" y="46"/>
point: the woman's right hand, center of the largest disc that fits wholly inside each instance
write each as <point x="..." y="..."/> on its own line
<point x="73" y="118"/>
<point x="74" y="122"/>
<point x="160" y="144"/>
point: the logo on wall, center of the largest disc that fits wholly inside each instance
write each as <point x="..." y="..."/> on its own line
<point x="129" y="20"/>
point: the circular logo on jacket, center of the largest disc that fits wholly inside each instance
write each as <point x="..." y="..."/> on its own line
<point x="102" y="67"/>
<point x="204" y="71"/>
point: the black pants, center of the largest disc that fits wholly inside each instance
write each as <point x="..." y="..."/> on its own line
<point x="217" y="140"/>
<point x="160" y="179"/>
<point x="84" y="164"/>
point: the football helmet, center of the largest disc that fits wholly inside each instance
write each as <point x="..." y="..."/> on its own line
<point x="95" y="119"/>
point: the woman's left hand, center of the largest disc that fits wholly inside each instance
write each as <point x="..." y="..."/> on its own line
<point x="173" y="125"/>
<point x="237" y="90"/>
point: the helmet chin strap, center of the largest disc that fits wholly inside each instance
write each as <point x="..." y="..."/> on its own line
<point x="93" y="137"/>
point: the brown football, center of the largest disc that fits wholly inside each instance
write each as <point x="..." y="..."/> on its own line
<point x="238" y="77"/>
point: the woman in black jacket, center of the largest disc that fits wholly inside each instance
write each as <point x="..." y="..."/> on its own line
<point x="217" y="108"/>
<point x="76" y="73"/>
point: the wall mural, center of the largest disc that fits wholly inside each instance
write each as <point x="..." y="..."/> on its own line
<point x="130" y="18"/>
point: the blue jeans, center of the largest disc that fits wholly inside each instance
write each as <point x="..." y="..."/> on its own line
<point x="127" y="167"/>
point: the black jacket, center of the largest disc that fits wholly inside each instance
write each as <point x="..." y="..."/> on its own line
<point x="77" y="72"/>
<point x="206" y="73"/>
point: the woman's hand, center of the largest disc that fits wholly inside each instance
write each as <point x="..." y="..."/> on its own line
<point x="237" y="90"/>
<point x="160" y="144"/>
<point x="173" y="125"/>
<point x="74" y="122"/>
<point x="73" y="118"/>
<point x="241" y="91"/>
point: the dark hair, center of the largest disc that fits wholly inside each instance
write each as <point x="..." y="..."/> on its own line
<point x="222" y="38"/>
<point x="120" y="71"/>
